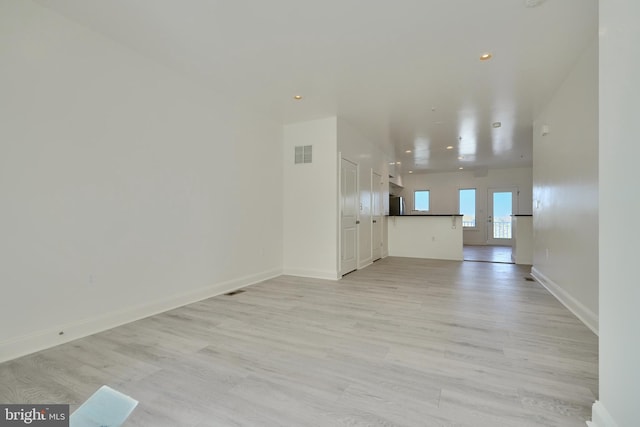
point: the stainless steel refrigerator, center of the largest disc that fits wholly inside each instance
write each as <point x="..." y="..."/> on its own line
<point x="396" y="205"/>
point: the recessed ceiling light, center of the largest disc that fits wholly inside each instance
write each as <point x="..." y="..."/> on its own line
<point x="460" y="157"/>
<point x="410" y="171"/>
<point x="407" y="151"/>
<point x="496" y="124"/>
<point x="392" y="163"/>
<point x="533" y="3"/>
<point x="460" y="168"/>
<point x="450" y="147"/>
<point x="485" y="56"/>
<point x="297" y="97"/>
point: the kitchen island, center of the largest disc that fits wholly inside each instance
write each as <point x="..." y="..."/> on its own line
<point x="426" y="236"/>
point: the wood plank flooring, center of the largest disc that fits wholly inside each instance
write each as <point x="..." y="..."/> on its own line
<point x="404" y="342"/>
<point x="487" y="253"/>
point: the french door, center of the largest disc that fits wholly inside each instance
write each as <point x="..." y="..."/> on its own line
<point x="502" y="203"/>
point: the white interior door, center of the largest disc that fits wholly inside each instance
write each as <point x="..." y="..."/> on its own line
<point x="348" y="216"/>
<point x="376" y="215"/>
<point x="502" y="204"/>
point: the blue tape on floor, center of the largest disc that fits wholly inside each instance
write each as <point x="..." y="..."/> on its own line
<point x="105" y="408"/>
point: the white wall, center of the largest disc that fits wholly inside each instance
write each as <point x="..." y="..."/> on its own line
<point x="443" y="193"/>
<point x="565" y="191"/>
<point x="522" y="240"/>
<point x="124" y="191"/>
<point x="357" y="148"/>
<point x="311" y="200"/>
<point x="311" y="195"/>
<point x="619" y="204"/>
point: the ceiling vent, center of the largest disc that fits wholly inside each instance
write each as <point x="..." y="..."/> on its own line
<point x="303" y="154"/>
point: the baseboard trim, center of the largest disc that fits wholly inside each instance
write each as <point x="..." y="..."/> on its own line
<point x="601" y="417"/>
<point x="50" y="337"/>
<point x="366" y="263"/>
<point x="589" y="318"/>
<point x="312" y="274"/>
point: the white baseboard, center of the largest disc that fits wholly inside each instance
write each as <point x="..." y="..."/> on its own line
<point x="589" y="318"/>
<point x="601" y="417"/>
<point x="312" y="274"/>
<point x="50" y="337"/>
<point x="365" y="263"/>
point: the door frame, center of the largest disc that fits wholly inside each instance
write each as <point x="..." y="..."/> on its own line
<point x="377" y="188"/>
<point x="515" y="193"/>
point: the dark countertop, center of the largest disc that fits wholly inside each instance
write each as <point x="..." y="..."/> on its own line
<point x="427" y="215"/>
<point x="522" y="215"/>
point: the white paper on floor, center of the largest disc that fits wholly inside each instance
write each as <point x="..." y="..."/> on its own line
<point x="105" y="408"/>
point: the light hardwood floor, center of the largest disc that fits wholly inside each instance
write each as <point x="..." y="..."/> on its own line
<point x="487" y="253"/>
<point x="404" y="342"/>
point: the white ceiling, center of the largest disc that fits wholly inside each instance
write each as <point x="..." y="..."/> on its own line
<point x="403" y="71"/>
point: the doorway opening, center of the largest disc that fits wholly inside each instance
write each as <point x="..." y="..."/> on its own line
<point x="502" y="204"/>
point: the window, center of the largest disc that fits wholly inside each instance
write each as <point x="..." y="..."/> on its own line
<point x="421" y="200"/>
<point x="467" y="203"/>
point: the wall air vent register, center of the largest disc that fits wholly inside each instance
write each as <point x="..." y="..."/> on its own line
<point x="303" y="154"/>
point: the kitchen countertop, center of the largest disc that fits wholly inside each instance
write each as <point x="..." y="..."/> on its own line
<point x="427" y="215"/>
